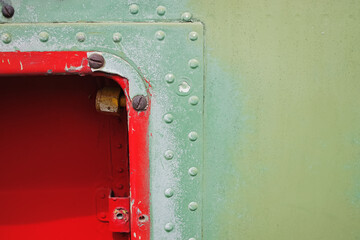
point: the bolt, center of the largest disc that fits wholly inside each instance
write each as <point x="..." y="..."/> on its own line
<point x="169" y="227"/>
<point x="117" y="37"/>
<point x="186" y="16"/>
<point x="160" y="10"/>
<point x="44" y="36"/>
<point x="102" y="215"/>
<point x="193" y="171"/>
<point x="139" y="103"/>
<point x="6" y="38"/>
<point x="169" y="155"/>
<point x="193" y="100"/>
<point x="80" y="36"/>
<point x="169" y="78"/>
<point x="193" y="36"/>
<point x="7" y="11"/>
<point x="193" y="136"/>
<point x="134" y="8"/>
<point x="160" y="35"/>
<point x="96" y="61"/>
<point x="168" y="118"/>
<point x="193" y="63"/>
<point x="169" y="193"/>
<point x="193" y="206"/>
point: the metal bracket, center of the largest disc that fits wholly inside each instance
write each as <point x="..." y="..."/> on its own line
<point x="119" y="215"/>
<point x="113" y="210"/>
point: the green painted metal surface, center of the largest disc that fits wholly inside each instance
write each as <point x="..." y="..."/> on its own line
<point x="281" y="119"/>
<point x="170" y="57"/>
<point x="280" y="122"/>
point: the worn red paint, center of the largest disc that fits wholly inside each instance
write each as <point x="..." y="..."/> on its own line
<point x="40" y="63"/>
<point x="65" y="63"/>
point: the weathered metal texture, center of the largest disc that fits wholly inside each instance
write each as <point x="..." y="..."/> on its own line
<point x="281" y="111"/>
<point x="148" y="55"/>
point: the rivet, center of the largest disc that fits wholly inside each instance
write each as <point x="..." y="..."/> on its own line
<point x="193" y="100"/>
<point x="193" y="136"/>
<point x="186" y="16"/>
<point x="169" y="193"/>
<point x="44" y="36"/>
<point x="139" y="103"/>
<point x="102" y="215"/>
<point x="193" y="171"/>
<point x="6" y="38"/>
<point x="169" y="78"/>
<point x="193" y="36"/>
<point x="161" y="10"/>
<point x="7" y="10"/>
<point x="168" y="118"/>
<point x="193" y="63"/>
<point x="96" y="61"/>
<point x="169" y="227"/>
<point x="169" y="155"/>
<point x="160" y="35"/>
<point x="134" y="8"/>
<point x="80" y="36"/>
<point x="117" y="37"/>
<point x="193" y="206"/>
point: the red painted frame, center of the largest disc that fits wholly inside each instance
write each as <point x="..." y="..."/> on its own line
<point x="75" y="62"/>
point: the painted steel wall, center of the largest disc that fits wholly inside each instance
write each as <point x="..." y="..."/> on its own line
<point x="281" y="136"/>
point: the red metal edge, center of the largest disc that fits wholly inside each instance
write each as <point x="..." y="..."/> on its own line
<point x="75" y="62"/>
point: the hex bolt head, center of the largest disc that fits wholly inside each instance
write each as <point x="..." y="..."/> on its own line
<point x="139" y="103"/>
<point x="8" y="11"/>
<point x="96" y="61"/>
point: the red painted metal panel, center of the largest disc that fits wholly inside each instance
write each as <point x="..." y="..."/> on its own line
<point x="40" y="63"/>
<point x="51" y="126"/>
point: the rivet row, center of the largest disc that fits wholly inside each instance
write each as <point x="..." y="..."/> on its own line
<point x="169" y="118"/>
<point x="44" y="37"/>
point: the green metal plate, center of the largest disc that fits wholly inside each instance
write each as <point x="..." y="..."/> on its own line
<point x="170" y="57"/>
<point x="96" y="11"/>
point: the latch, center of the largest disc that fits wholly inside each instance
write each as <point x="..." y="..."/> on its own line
<point x="113" y="210"/>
